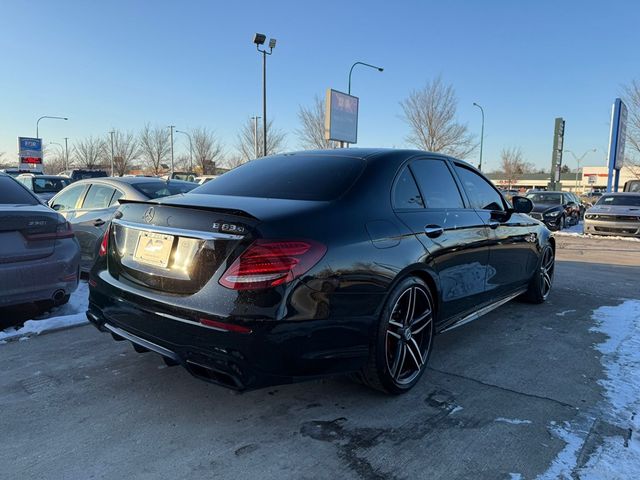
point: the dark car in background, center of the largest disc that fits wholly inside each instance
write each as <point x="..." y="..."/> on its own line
<point x="44" y="186"/>
<point x="39" y="255"/>
<point x="614" y="214"/>
<point x="82" y="174"/>
<point x="88" y="205"/>
<point x="557" y="210"/>
<point x="303" y="265"/>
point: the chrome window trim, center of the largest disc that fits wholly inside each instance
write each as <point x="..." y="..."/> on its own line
<point x="179" y="232"/>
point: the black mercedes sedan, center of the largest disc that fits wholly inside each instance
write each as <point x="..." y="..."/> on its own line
<point x="317" y="263"/>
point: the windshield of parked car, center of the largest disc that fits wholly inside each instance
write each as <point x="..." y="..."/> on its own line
<point x="627" y="200"/>
<point x="49" y="185"/>
<point x="12" y="193"/>
<point x="163" y="189"/>
<point x="555" y="198"/>
<point x="297" y="177"/>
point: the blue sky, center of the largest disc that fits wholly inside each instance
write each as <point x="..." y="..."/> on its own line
<point x="191" y="63"/>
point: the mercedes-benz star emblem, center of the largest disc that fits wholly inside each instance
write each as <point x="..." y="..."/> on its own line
<point x="148" y="215"/>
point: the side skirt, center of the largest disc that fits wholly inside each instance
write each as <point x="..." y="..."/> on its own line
<point x="483" y="311"/>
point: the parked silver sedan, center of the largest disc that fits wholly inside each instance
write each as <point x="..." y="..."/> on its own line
<point x="39" y="255"/>
<point x="89" y="205"/>
<point x="614" y="214"/>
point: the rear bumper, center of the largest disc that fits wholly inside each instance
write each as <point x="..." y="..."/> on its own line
<point x="32" y="281"/>
<point x="274" y="352"/>
<point x="619" y="229"/>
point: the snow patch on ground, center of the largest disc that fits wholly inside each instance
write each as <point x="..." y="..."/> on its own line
<point x="71" y="314"/>
<point x="617" y="457"/>
<point x="512" y="421"/>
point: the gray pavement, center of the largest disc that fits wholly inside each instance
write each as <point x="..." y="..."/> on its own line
<point x="75" y="404"/>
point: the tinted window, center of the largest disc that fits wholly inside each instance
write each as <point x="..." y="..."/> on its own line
<point x="406" y="194"/>
<point x="67" y="199"/>
<point x="83" y="174"/>
<point x="49" y="185"/>
<point x="438" y="187"/>
<point x="481" y="193"/>
<point x="294" y="176"/>
<point x="163" y="189"/>
<point x="98" y="196"/>
<point x="630" y="200"/>
<point x="12" y="193"/>
<point x="554" y="198"/>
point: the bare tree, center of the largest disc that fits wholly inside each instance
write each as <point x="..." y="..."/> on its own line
<point x="155" y="147"/>
<point x="54" y="162"/>
<point x="631" y="97"/>
<point x="207" y="150"/>
<point x="431" y="115"/>
<point x="90" y="152"/>
<point x="246" y="140"/>
<point x="312" y="126"/>
<point x="234" y="160"/>
<point x="126" y="149"/>
<point x="513" y="164"/>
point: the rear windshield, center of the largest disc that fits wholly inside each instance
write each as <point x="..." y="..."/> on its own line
<point x="49" y="185"/>
<point x="82" y="174"/>
<point x="630" y="200"/>
<point x="163" y="189"/>
<point x="296" y="177"/>
<point x="12" y="193"/>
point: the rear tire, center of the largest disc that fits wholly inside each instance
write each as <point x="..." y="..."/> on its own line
<point x="403" y="339"/>
<point x="540" y="285"/>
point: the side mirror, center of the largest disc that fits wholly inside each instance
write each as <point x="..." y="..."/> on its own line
<point x="521" y="204"/>
<point x="56" y="206"/>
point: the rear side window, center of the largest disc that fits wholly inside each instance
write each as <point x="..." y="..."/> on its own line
<point x="98" y="196"/>
<point x="297" y="177"/>
<point x="480" y="192"/>
<point x="12" y="193"/>
<point x="49" y="185"/>
<point x="438" y="187"/>
<point x="406" y="193"/>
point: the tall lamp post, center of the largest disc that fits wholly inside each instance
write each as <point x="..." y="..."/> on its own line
<point x="579" y="160"/>
<point x="171" y="127"/>
<point x="380" y="69"/>
<point x="259" y="39"/>
<point x="481" y="135"/>
<point x="112" y="132"/>
<point x="66" y="153"/>
<point x="255" y="135"/>
<point x="190" y="149"/>
<point x="43" y="117"/>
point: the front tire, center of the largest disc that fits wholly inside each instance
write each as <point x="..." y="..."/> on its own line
<point x="540" y="285"/>
<point x="403" y="339"/>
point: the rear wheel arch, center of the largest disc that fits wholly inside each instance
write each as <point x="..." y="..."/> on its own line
<point x="426" y="275"/>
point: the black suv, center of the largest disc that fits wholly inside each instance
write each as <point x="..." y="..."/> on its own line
<point x="82" y="174"/>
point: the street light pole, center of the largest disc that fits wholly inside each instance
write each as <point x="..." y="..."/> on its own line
<point x="190" y="149"/>
<point x="66" y="153"/>
<point x="46" y="116"/>
<point x="171" y="127"/>
<point x="255" y="135"/>
<point x="481" y="135"/>
<point x="579" y="160"/>
<point x="380" y="69"/>
<point x="259" y="39"/>
<point x="111" y="133"/>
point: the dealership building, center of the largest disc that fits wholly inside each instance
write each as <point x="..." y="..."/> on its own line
<point x="588" y="179"/>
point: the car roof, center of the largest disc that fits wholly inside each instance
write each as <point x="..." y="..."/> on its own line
<point x="621" y="194"/>
<point x="126" y="180"/>
<point x="41" y="176"/>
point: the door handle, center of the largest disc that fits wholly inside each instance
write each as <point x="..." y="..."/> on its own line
<point x="433" y="231"/>
<point x="98" y="222"/>
<point x="494" y="225"/>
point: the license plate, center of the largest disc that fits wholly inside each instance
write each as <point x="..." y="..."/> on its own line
<point x="153" y="249"/>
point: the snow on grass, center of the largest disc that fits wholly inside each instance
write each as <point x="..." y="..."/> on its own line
<point x="512" y="421"/>
<point x="618" y="457"/>
<point x="71" y="314"/>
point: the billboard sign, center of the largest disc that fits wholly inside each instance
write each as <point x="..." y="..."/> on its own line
<point x="617" y="137"/>
<point x="30" y="153"/>
<point x="341" y="117"/>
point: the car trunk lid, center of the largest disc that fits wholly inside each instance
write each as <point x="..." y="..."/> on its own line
<point x="27" y="232"/>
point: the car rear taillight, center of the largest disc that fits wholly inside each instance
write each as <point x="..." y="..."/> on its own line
<point x="63" y="230"/>
<point x="267" y="263"/>
<point x="104" y="245"/>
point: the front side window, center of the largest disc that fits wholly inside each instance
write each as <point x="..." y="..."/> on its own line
<point x="68" y="198"/>
<point x="406" y="193"/>
<point x="98" y="196"/>
<point x="481" y="193"/>
<point x="438" y="187"/>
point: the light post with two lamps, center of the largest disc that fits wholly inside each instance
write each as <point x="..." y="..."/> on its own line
<point x="579" y="160"/>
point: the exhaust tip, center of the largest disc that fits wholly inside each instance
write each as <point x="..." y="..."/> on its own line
<point x="58" y="296"/>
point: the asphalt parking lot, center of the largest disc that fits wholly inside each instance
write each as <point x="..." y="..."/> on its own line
<point x="494" y="403"/>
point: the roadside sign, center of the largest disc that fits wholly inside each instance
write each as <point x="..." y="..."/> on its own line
<point x="592" y="179"/>
<point x="617" y="138"/>
<point x="341" y="117"/>
<point x="30" y="153"/>
<point x="556" y="156"/>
